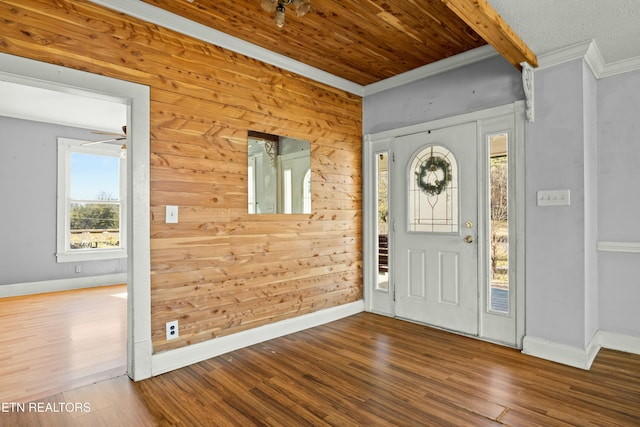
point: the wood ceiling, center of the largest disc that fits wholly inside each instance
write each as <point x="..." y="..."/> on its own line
<point x="363" y="41"/>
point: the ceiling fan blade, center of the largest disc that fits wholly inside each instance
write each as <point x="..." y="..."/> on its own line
<point x="104" y="140"/>
<point x="269" y="5"/>
<point x="98" y="132"/>
<point x="118" y="134"/>
<point x="303" y="9"/>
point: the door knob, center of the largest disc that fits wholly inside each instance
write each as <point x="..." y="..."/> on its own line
<point x="468" y="239"/>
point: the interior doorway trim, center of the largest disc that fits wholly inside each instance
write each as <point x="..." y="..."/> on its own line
<point x="40" y="74"/>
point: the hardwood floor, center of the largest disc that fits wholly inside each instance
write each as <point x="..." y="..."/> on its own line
<point x="363" y="370"/>
<point x="62" y="340"/>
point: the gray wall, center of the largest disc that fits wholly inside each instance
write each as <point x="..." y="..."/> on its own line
<point x="585" y="139"/>
<point x="555" y="236"/>
<point x="486" y="84"/>
<point x="28" y="184"/>
<point x="619" y="201"/>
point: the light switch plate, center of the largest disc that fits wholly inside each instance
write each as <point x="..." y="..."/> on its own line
<point x="172" y="215"/>
<point x="554" y="198"/>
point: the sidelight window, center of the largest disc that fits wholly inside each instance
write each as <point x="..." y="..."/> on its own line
<point x="382" y="184"/>
<point x="499" y="224"/>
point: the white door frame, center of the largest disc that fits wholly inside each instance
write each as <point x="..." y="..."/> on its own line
<point x="489" y="121"/>
<point x="40" y="74"/>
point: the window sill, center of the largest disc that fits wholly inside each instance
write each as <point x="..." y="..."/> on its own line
<point x="91" y="255"/>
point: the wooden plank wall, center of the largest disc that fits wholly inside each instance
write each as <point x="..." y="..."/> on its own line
<point x="220" y="270"/>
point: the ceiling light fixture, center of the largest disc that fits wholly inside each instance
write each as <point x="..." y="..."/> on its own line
<point x="277" y="6"/>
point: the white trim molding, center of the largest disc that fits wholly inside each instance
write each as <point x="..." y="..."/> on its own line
<point x="620" y="67"/>
<point x="185" y="356"/>
<point x="564" y="55"/>
<point x="624" y="247"/>
<point x="619" y="342"/>
<point x="29" y="288"/>
<point x="588" y="50"/>
<point x="578" y="357"/>
<point x="466" y="58"/>
<point x="561" y="353"/>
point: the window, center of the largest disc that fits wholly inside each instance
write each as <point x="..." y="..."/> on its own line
<point x="306" y="192"/>
<point x="433" y="191"/>
<point x="499" y="227"/>
<point x="91" y="195"/>
<point x="382" y="186"/>
<point x="287" y="191"/>
<point x="252" y="185"/>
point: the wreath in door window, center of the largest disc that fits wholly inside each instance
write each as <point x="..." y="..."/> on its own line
<point x="434" y="175"/>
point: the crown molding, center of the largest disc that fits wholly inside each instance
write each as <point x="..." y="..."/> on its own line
<point x="588" y="50"/>
<point x="439" y="67"/>
<point x="621" y="67"/>
<point x="158" y="16"/>
<point x="594" y="59"/>
<point x="563" y="55"/>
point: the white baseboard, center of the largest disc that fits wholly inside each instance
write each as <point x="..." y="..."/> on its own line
<point x="561" y="353"/>
<point x="619" y="342"/>
<point x="577" y="357"/>
<point x="29" y="288"/>
<point x="184" y="356"/>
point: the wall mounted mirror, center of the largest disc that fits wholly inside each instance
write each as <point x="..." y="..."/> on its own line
<point x="279" y="174"/>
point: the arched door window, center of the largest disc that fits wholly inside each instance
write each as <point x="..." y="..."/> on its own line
<point x="433" y="191"/>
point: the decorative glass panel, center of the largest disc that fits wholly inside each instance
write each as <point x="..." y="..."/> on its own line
<point x="433" y="191"/>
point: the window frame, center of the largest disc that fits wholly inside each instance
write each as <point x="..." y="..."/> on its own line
<point x="64" y="253"/>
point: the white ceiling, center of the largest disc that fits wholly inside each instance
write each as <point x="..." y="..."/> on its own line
<point x="548" y="25"/>
<point x="68" y="109"/>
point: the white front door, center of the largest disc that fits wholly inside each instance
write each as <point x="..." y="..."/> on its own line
<point x="435" y="199"/>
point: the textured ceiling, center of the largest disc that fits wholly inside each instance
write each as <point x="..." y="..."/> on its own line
<point x="548" y="25"/>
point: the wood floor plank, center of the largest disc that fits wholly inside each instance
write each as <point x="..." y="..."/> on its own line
<point x="58" y="341"/>
<point x="365" y="370"/>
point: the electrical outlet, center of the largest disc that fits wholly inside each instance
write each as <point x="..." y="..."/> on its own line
<point x="172" y="330"/>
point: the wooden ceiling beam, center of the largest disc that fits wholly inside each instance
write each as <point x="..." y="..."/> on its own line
<point x="485" y="21"/>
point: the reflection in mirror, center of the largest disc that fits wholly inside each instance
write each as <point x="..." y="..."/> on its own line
<point x="279" y="174"/>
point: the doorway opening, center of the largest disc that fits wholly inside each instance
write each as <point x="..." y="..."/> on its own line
<point x="136" y="98"/>
<point x="68" y="228"/>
